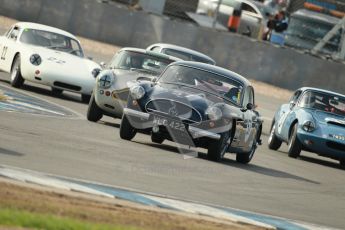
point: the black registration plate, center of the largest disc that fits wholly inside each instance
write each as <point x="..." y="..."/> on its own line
<point x="176" y="125"/>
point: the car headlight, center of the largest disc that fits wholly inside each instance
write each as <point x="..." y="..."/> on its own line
<point x="105" y="81"/>
<point x="95" y="72"/>
<point x="308" y="126"/>
<point x="35" y="59"/>
<point x="137" y="92"/>
<point x="214" y="113"/>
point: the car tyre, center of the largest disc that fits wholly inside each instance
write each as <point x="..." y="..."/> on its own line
<point x="245" y="158"/>
<point x="127" y="131"/>
<point x="155" y="138"/>
<point x="294" y="145"/>
<point x="94" y="113"/>
<point x="56" y="91"/>
<point x="85" y="98"/>
<point x="218" y="148"/>
<point x="273" y="142"/>
<point x="342" y="163"/>
<point x="17" y="79"/>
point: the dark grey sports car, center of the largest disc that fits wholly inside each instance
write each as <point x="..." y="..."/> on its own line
<point x="199" y="105"/>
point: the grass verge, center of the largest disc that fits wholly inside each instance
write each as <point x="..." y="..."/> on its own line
<point x="37" y="208"/>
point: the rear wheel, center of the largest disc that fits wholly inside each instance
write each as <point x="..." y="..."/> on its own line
<point x="155" y="138"/>
<point x="56" y="92"/>
<point x="273" y="142"/>
<point x="294" y="145"/>
<point x="127" y="131"/>
<point x="85" y="98"/>
<point x="94" y="113"/>
<point x="245" y="158"/>
<point x="17" y="79"/>
<point x="218" y="148"/>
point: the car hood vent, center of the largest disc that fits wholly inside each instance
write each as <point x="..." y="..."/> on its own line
<point x="334" y="121"/>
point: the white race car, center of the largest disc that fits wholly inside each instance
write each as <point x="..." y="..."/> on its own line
<point x="47" y="56"/>
<point x="127" y="66"/>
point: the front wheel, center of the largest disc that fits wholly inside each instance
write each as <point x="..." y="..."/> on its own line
<point x="56" y="91"/>
<point x="273" y="142"/>
<point x="85" y="98"/>
<point x="127" y="131"/>
<point x="218" y="148"/>
<point x="94" y="113"/>
<point x="17" y="79"/>
<point x="155" y="138"/>
<point x="294" y="145"/>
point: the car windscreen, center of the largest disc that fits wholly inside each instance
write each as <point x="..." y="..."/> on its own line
<point x="186" y="56"/>
<point x="52" y="41"/>
<point x="324" y="102"/>
<point x="143" y="62"/>
<point x="205" y="81"/>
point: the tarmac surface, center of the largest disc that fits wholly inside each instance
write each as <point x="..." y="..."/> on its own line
<point x="308" y="189"/>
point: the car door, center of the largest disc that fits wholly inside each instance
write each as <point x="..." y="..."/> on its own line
<point x="9" y="49"/>
<point x="244" y="126"/>
<point x="288" y="115"/>
<point x="3" y="48"/>
<point x="250" y="120"/>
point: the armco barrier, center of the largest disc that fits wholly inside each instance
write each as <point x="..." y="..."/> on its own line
<point x="118" y="25"/>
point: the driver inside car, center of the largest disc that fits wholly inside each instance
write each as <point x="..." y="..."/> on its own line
<point x="233" y="94"/>
<point x="136" y="62"/>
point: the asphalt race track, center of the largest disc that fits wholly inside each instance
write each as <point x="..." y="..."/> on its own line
<point x="309" y="189"/>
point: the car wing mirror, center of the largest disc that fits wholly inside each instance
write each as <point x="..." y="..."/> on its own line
<point x="292" y="104"/>
<point x="102" y="64"/>
<point x="250" y="106"/>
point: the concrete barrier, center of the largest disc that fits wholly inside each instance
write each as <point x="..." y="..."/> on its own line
<point x="117" y="25"/>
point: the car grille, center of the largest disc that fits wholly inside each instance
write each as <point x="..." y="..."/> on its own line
<point x="67" y="86"/>
<point x="335" y="145"/>
<point x="184" y="112"/>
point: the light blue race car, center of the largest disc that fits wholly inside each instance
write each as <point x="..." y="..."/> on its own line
<point x="314" y="121"/>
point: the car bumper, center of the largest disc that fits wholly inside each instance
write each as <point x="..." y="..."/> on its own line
<point x="69" y="82"/>
<point x="111" y="101"/>
<point x="142" y="120"/>
<point x="322" y="144"/>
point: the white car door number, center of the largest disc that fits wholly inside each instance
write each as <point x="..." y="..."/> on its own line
<point x="3" y="54"/>
<point x="56" y="60"/>
<point x="281" y="121"/>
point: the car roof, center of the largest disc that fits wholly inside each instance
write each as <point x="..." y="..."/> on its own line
<point x="322" y="91"/>
<point x="36" y="26"/>
<point x="214" y="69"/>
<point x="315" y="16"/>
<point x="182" y="49"/>
<point x="156" y="54"/>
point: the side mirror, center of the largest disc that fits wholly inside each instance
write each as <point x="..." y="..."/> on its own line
<point x="102" y="64"/>
<point x="154" y="79"/>
<point x="250" y="106"/>
<point x="292" y="104"/>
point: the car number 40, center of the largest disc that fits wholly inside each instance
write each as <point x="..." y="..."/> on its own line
<point x="170" y="124"/>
